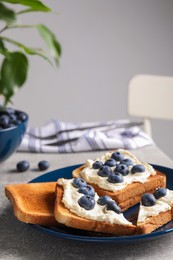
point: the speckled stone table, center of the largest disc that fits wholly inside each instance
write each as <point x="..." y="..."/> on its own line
<point x="20" y="241"/>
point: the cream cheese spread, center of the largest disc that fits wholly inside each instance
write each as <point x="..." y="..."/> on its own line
<point x="146" y="212"/>
<point x="168" y="198"/>
<point x="90" y="175"/>
<point x="70" y="200"/>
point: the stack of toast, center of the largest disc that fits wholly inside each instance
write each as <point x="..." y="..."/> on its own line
<point x="97" y="197"/>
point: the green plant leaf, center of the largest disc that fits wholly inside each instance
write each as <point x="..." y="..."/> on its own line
<point x="7" y="14"/>
<point x="34" y="4"/>
<point x="14" y="71"/>
<point x="51" y="41"/>
<point x="28" y="50"/>
<point x="3" y="49"/>
<point x="2" y="46"/>
<point x="38" y="52"/>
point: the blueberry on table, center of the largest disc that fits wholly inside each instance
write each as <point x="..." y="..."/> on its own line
<point x="103" y="200"/>
<point x="112" y="205"/>
<point x="110" y="162"/>
<point x="115" y="177"/>
<point x="87" y="190"/>
<point x="148" y="200"/>
<point x="104" y="171"/>
<point x="122" y="168"/>
<point x="97" y="165"/>
<point x="79" y="182"/>
<point x="126" y="161"/>
<point x="138" y="168"/>
<point x="160" y="192"/>
<point x="43" y="165"/>
<point x="117" y="156"/>
<point x="22" y="166"/>
<point x="87" y="202"/>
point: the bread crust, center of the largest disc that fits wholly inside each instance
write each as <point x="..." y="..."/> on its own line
<point x="132" y="193"/>
<point x="33" y="202"/>
<point x="154" y="222"/>
<point x="66" y="217"/>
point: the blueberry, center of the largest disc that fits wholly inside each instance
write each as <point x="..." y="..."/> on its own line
<point x="104" y="171"/>
<point x="4" y="121"/>
<point x="87" y="202"/>
<point x="126" y="161"/>
<point x="122" y="168"/>
<point x="13" y="118"/>
<point x="138" y="168"/>
<point x="10" y="117"/>
<point x="104" y="200"/>
<point x="160" y="192"/>
<point x="117" y="156"/>
<point x="110" y="162"/>
<point x="11" y="125"/>
<point x="22" y="166"/>
<point x="148" y="199"/>
<point x="112" y="205"/>
<point x="87" y="190"/>
<point x="18" y="122"/>
<point x="43" y="165"/>
<point x="97" y="165"/>
<point x="79" y="182"/>
<point x="115" y="177"/>
<point x="9" y="110"/>
<point x="21" y="116"/>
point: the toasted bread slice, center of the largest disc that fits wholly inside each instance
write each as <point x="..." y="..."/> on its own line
<point x="154" y="222"/>
<point x="131" y="194"/>
<point x="152" y="217"/>
<point x="33" y="202"/>
<point x="65" y="216"/>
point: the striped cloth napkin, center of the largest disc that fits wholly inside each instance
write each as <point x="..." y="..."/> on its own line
<point x="66" y="137"/>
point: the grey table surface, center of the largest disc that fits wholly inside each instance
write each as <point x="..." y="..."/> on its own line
<point x="19" y="241"/>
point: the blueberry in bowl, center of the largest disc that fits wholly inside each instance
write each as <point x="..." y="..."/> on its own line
<point x="13" y="124"/>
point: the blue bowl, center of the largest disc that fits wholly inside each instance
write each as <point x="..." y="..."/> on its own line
<point x="11" y="138"/>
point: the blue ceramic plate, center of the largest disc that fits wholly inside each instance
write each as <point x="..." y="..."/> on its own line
<point x="81" y="235"/>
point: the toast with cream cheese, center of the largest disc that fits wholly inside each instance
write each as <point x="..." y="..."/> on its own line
<point x="77" y="210"/>
<point x="120" y="175"/>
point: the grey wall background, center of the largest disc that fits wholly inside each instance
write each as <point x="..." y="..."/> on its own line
<point x="105" y="43"/>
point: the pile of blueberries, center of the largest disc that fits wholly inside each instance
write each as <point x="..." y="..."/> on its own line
<point x="121" y="169"/>
<point x="149" y="199"/>
<point x="88" y="202"/>
<point x="10" y="117"/>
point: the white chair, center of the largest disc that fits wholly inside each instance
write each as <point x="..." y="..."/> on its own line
<point x="150" y="97"/>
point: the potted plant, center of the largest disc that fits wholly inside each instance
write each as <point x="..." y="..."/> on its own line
<point x="15" y="65"/>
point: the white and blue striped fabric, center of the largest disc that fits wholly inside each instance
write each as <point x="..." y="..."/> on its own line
<point x="67" y="137"/>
